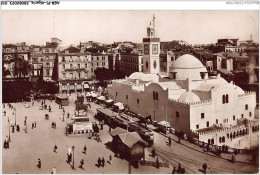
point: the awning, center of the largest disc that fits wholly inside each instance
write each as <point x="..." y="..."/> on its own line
<point x="86" y="86"/>
<point x="88" y="94"/>
<point x="106" y="112"/>
<point x="163" y="123"/>
<point x="94" y="95"/>
<point x="102" y="98"/>
<point x="109" y="101"/>
<point x="119" y="105"/>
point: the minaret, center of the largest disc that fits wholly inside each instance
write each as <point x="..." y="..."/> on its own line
<point x="151" y="44"/>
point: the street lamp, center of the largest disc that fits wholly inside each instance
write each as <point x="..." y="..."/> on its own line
<point x="15" y="116"/>
<point x="73" y="147"/>
<point x="9" y="138"/>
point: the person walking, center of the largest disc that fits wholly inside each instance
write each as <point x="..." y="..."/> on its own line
<point x="179" y="169"/>
<point x="169" y="141"/>
<point x="103" y="162"/>
<point x="5" y="144"/>
<point x="35" y="124"/>
<point x="39" y="163"/>
<point x="157" y="163"/>
<point x="110" y="159"/>
<point x="68" y="115"/>
<point x="81" y="164"/>
<point x="99" y="162"/>
<point x="174" y="170"/>
<point x="85" y="150"/>
<point x="153" y="152"/>
<point x="32" y="125"/>
<point x="55" y="149"/>
<point x="179" y="138"/>
<point x="204" y="166"/>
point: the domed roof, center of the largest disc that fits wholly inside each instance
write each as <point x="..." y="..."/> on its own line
<point x="189" y="97"/>
<point x="144" y="77"/>
<point x="239" y="90"/>
<point x="187" y="61"/>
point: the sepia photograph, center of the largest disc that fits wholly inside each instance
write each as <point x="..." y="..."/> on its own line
<point x="130" y="91"/>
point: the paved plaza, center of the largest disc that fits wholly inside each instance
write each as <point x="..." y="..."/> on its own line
<point x="26" y="148"/>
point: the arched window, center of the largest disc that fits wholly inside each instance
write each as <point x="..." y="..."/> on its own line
<point x="234" y="135"/>
<point x="223" y="139"/>
<point x="208" y="141"/>
<point x="230" y="135"/>
<point x="240" y="133"/>
<point x="226" y="98"/>
<point x="220" y="140"/>
<point x="243" y="132"/>
<point x="223" y="99"/>
<point x="212" y="141"/>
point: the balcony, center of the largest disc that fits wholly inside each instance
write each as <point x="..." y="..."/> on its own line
<point x="76" y="69"/>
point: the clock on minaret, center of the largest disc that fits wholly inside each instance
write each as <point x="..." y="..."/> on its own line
<point x="155" y="48"/>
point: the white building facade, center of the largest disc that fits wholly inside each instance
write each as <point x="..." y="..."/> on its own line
<point x="189" y="99"/>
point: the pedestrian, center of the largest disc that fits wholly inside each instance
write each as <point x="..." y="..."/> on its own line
<point x="32" y="125"/>
<point x="110" y="159"/>
<point x="153" y="152"/>
<point x="101" y="126"/>
<point x="5" y="144"/>
<point x="157" y="163"/>
<point x="174" y="170"/>
<point x="35" y="124"/>
<point x="81" y="163"/>
<point x="69" y="151"/>
<point x="204" y="166"/>
<point x="68" y="115"/>
<point x="4" y="113"/>
<point x="170" y="140"/>
<point x="42" y="103"/>
<point x="233" y="158"/>
<point x="55" y="149"/>
<point x="103" y="162"/>
<point x="208" y="147"/>
<point x="12" y="128"/>
<point x="54" y="170"/>
<point x="179" y="139"/>
<point x="85" y="149"/>
<point x="99" y="162"/>
<point x="179" y="169"/>
<point x="39" y="163"/>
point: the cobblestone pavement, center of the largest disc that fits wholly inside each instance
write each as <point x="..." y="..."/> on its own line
<point x="26" y="148"/>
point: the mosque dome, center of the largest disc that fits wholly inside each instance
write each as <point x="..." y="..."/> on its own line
<point x="144" y="77"/>
<point x="187" y="62"/>
<point x="188" y="66"/>
<point x="189" y="97"/>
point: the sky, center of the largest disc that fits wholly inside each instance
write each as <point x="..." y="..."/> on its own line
<point x="195" y="27"/>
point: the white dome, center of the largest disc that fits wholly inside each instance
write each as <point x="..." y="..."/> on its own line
<point x="188" y="66"/>
<point x="239" y="90"/>
<point x="187" y="62"/>
<point x="189" y="97"/>
<point x="144" y="77"/>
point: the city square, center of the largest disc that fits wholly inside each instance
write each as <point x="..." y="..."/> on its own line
<point x="90" y="96"/>
<point x="39" y="143"/>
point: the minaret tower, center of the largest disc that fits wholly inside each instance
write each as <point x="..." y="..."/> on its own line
<point x="151" y="44"/>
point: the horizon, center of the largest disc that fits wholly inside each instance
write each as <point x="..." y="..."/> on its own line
<point x="94" y="25"/>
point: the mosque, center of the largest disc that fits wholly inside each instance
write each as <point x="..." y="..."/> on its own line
<point x="204" y="107"/>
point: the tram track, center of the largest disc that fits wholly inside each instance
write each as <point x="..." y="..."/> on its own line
<point x="198" y="164"/>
